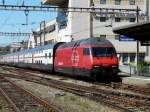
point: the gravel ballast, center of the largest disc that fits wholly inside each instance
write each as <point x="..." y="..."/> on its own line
<point x="4" y="107"/>
<point x="67" y="101"/>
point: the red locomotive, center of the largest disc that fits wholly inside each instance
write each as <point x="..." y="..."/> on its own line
<point x="92" y="57"/>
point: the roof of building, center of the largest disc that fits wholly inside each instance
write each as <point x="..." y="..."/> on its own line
<point x="139" y="31"/>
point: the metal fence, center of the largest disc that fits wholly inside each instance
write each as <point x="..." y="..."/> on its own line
<point x="132" y="70"/>
<point x="127" y="69"/>
<point x="145" y="71"/>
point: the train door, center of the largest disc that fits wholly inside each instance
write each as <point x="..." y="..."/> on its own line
<point x="86" y="63"/>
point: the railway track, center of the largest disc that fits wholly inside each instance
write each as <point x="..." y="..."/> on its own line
<point x="118" y="99"/>
<point x="125" y="89"/>
<point x="21" y="100"/>
<point x="112" y="85"/>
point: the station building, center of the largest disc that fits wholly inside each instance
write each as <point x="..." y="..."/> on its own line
<point x="70" y="26"/>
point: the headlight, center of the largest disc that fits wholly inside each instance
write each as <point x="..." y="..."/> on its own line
<point x="114" y="66"/>
<point x="96" y="66"/>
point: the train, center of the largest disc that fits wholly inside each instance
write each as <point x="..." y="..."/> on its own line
<point x="92" y="57"/>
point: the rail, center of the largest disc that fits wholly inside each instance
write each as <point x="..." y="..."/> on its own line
<point x="13" y="92"/>
<point x="122" y="100"/>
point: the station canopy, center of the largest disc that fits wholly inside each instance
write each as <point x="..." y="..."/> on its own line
<point x="139" y="31"/>
<point x="55" y="2"/>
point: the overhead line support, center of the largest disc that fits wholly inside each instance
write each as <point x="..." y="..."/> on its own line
<point x="55" y="9"/>
<point x="14" y="34"/>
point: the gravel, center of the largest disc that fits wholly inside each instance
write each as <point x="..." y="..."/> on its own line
<point x="69" y="102"/>
<point x="4" y="107"/>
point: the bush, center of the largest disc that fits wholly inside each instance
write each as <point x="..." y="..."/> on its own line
<point x="146" y="63"/>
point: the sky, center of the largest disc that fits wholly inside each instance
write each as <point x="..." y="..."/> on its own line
<point x="12" y="21"/>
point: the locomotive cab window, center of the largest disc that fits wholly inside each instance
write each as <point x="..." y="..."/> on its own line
<point x="103" y="51"/>
<point x="86" y="51"/>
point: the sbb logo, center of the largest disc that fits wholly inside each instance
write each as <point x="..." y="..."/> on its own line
<point x="75" y="57"/>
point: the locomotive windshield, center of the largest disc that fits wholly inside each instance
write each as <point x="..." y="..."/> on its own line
<point x="103" y="51"/>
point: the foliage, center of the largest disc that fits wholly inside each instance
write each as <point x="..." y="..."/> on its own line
<point x="143" y="65"/>
<point x="146" y="63"/>
<point x="4" y="50"/>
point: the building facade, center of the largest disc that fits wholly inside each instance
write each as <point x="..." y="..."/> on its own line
<point x="46" y="33"/>
<point x="71" y="26"/>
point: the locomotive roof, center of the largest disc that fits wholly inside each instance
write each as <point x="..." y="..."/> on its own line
<point x="89" y="41"/>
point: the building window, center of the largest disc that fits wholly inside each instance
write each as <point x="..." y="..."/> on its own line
<point x="117" y="37"/>
<point x="124" y="58"/>
<point x="141" y="57"/>
<point x="117" y="2"/>
<point x="46" y="42"/>
<point x="102" y="19"/>
<point x="132" y="58"/>
<point x="103" y="36"/>
<point x="102" y="1"/>
<point x="132" y="2"/>
<point x="117" y="19"/>
<point x="62" y="19"/>
<point x="132" y="19"/>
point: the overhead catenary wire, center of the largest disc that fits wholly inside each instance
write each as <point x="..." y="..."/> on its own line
<point x="9" y="16"/>
<point x="25" y="8"/>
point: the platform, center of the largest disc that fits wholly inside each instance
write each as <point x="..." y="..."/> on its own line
<point x="137" y="81"/>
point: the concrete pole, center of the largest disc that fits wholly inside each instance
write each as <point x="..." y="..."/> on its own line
<point x="40" y="34"/>
<point x="147" y="9"/>
<point x="147" y="18"/>
<point x="44" y="28"/>
<point x="137" y="44"/>
<point x="91" y="21"/>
